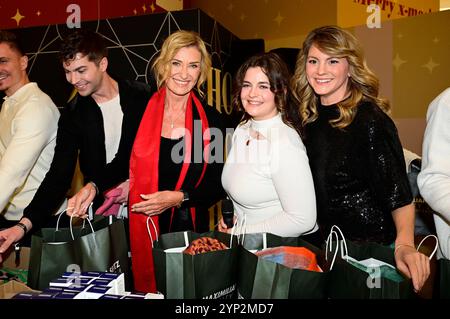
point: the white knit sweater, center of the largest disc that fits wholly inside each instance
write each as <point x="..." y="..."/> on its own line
<point x="269" y="180"/>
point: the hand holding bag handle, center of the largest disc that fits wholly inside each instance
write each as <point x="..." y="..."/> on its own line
<point x="435" y="247"/>
<point x="71" y="221"/>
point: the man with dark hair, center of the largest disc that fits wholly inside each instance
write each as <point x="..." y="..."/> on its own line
<point x="98" y="126"/>
<point x="28" y="124"/>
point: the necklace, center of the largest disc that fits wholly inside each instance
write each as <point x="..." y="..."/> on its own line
<point x="252" y="134"/>
<point x="173" y="119"/>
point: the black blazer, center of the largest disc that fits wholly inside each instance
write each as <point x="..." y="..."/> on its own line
<point x="81" y="133"/>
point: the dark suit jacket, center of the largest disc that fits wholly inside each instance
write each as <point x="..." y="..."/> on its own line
<point x="81" y="133"/>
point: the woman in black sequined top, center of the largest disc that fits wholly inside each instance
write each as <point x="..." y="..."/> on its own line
<point x="353" y="147"/>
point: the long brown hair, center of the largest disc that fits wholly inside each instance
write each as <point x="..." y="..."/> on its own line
<point x="278" y="74"/>
<point x="362" y="84"/>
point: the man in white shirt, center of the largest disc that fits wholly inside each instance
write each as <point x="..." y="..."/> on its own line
<point x="434" y="178"/>
<point x="28" y="125"/>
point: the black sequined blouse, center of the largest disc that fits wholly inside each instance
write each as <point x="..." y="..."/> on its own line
<point x="359" y="173"/>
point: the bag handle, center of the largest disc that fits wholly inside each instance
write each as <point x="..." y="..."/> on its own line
<point x="328" y="244"/>
<point x="233" y="232"/>
<point x="344" y="249"/>
<point x="71" y="227"/>
<point x="242" y="230"/>
<point x="344" y="252"/>
<point x="186" y="239"/>
<point x="435" y="247"/>
<point x="149" y="218"/>
<point x="70" y="224"/>
<point x="123" y="211"/>
<point x="65" y="210"/>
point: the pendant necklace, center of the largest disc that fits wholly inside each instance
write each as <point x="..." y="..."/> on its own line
<point x="172" y="119"/>
<point x="250" y="137"/>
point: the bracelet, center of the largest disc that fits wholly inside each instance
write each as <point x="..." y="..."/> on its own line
<point x="23" y="226"/>
<point x="400" y="245"/>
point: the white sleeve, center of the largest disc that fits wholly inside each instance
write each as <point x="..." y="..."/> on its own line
<point x="294" y="185"/>
<point x="33" y="128"/>
<point x="434" y="178"/>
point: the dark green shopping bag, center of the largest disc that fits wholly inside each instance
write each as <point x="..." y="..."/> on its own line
<point x="209" y="275"/>
<point x="54" y="252"/>
<point x="444" y="278"/>
<point x="349" y="281"/>
<point x="264" y="279"/>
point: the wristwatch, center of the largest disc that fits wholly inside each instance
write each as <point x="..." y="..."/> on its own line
<point x="185" y="195"/>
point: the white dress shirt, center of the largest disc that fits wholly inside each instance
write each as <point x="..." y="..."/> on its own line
<point x="28" y="124"/>
<point x="112" y="123"/>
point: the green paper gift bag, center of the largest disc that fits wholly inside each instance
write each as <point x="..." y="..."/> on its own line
<point x="209" y="275"/>
<point x="260" y="278"/>
<point x="101" y="247"/>
<point x="365" y="271"/>
<point x="444" y="278"/>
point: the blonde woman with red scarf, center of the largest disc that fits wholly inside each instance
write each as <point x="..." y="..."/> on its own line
<point x="172" y="178"/>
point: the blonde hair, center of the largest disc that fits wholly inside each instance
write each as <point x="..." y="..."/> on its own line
<point x="173" y="43"/>
<point x="363" y="85"/>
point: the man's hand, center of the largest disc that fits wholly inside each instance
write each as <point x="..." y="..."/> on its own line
<point x="79" y="203"/>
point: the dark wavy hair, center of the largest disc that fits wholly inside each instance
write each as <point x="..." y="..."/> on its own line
<point x="86" y="42"/>
<point x="12" y="40"/>
<point x="278" y="74"/>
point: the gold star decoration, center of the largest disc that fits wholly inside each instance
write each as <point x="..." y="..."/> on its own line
<point x="436" y="40"/>
<point x="38" y="13"/>
<point x="144" y="8"/>
<point x="278" y="19"/>
<point x="18" y="17"/>
<point x="397" y="62"/>
<point x="230" y="7"/>
<point x="243" y="17"/>
<point x="430" y="65"/>
<point x="152" y="7"/>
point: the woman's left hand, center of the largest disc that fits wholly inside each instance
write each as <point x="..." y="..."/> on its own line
<point x="156" y="203"/>
<point x="413" y="264"/>
<point x="222" y="227"/>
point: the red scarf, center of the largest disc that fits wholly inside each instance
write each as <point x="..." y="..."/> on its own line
<point x="144" y="180"/>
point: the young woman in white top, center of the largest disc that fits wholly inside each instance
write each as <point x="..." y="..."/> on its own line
<point x="267" y="173"/>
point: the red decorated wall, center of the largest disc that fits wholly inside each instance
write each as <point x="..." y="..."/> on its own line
<point x="30" y="13"/>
